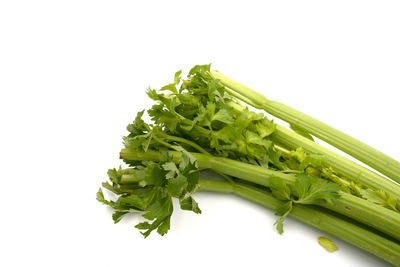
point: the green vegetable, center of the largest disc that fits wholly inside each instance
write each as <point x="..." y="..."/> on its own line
<point x="199" y="123"/>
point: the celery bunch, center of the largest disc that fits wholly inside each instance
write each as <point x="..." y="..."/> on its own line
<point x="203" y="122"/>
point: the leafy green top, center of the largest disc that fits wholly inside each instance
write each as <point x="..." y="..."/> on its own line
<point x="149" y="188"/>
<point x="201" y="111"/>
<point x="307" y="190"/>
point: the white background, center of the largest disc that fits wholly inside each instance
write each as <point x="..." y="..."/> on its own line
<point x="73" y="75"/>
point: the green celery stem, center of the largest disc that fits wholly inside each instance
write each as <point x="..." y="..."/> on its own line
<point x="340" y="164"/>
<point x="376" y="216"/>
<point x="344" y="166"/>
<point x="363" y="152"/>
<point x="345" y="230"/>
